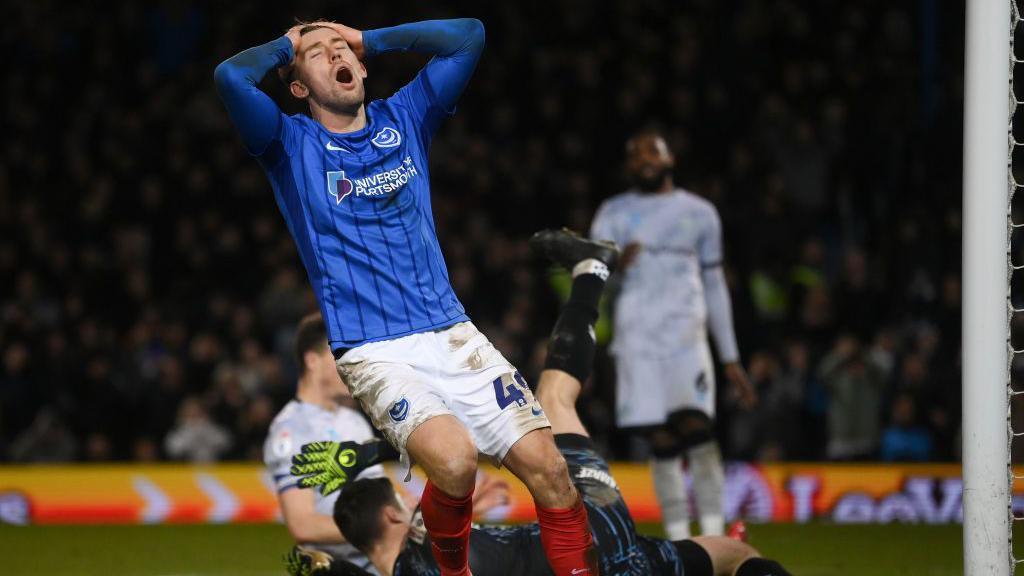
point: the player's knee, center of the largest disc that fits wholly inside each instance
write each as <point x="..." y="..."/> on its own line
<point x="664" y="443"/>
<point x="549" y="476"/>
<point x="457" y="474"/>
<point x="454" y="469"/>
<point x="691" y="427"/>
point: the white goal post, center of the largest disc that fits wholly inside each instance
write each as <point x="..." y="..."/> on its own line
<point x="988" y="109"/>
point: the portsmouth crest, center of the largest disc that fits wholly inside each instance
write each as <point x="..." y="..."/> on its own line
<point x="388" y="137"/>
<point x="399" y="410"/>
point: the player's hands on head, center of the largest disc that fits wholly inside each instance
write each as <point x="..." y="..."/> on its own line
<point x="353" y="37"/>
<point x="741" y="385"/>
<point x="328" y="465"/>
<point x="296" y="38"/>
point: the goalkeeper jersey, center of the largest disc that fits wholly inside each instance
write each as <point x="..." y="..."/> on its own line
<point x="300" y="423"/>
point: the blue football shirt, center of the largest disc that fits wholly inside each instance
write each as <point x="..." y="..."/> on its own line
<point x="358" y="204"/>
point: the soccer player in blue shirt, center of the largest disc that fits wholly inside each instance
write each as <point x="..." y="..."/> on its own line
<point x="352" y="182"/>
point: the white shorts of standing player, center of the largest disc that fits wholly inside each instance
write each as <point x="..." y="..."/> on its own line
<point x="404" y="382"/>
<point x="650" y="390"/>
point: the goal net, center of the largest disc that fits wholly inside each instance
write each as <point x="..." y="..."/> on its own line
<point x="1015" y="263"/>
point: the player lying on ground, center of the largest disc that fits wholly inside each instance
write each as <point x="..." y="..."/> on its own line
<point x="321" y="410"/>
<point x="351" y="181"/>
<point x="373" y="517"/>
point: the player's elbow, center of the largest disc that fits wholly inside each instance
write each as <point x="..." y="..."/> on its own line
<point x="297" y="531"/>
<point x="225" y="75"/>
<point x="473" y="32"/>
<point x="301" y="529"/>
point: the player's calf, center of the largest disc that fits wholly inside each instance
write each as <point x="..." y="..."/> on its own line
<point x="557" y="392"/>
<point x="720" y="556"/>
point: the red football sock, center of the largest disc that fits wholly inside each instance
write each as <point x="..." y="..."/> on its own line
<point x="565" y="534"/>
<point x="447" y="521"/>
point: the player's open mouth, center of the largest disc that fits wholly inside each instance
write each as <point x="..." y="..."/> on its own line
<point x="344" y="76"/>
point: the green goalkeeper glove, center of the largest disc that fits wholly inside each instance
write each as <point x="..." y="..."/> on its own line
<point x="330" y="465"/>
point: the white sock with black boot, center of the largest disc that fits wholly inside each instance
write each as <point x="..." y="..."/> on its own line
<point x="708" y="486"/>
<point x="670" y="488"/>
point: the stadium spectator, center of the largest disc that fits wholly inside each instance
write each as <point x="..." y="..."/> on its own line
<point x="46" y="440"/>
<point x="905" y="440"/>
<point x="196" y="438"/>
<point x="854" y="381"/>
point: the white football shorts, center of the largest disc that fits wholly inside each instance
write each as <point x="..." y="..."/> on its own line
<point x="648" y="389"/>
<point x="404" y="382"/>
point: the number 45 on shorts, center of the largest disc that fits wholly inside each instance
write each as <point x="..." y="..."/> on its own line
<point x="506" y="394"/>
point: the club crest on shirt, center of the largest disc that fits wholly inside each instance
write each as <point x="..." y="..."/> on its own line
<point x="282" y="445"/>
<point x="399" y="410"/>
<point x="387" y="137"/>
<point x="338" y="186"/>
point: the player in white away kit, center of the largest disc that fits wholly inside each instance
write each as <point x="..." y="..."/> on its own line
<point x="672" y="289"/>
<point x="314" y="414"/>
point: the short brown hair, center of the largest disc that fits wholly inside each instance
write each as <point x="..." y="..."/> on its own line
<point x="310" y="336"/>
<point x="357" y="510"/>
<point x="286" y="73"/>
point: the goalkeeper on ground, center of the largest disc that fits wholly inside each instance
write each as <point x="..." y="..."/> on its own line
<point x="370" y="513"/>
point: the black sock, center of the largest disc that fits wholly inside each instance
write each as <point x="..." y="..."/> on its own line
<point x="761" y="567"/>
<point x="586" y="293"/>
<point x="695" y="559"/>
<point x="571" y="347"/>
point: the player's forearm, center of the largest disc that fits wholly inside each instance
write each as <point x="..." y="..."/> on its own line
<point x="314" y="528"/>
<point x="463" y="37"/>
<point x="455" y="44"/>
<point x="248" y="67"/>
<point x="254" y="114"/>
<point x="716" y="295"/>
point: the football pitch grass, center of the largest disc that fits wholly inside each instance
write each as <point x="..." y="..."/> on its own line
<point x="256" y="550"/>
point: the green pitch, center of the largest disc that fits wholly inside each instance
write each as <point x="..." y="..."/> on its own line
<point x="256" y="550"/>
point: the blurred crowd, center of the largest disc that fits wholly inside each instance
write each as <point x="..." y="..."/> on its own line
<point x="150" y="288"/>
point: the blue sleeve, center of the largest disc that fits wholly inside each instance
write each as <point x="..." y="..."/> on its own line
<point x="255" y="115"/>
<point x="455" y="45"/>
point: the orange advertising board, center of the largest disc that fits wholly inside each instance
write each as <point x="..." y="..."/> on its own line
<point x="171" y="493"/>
